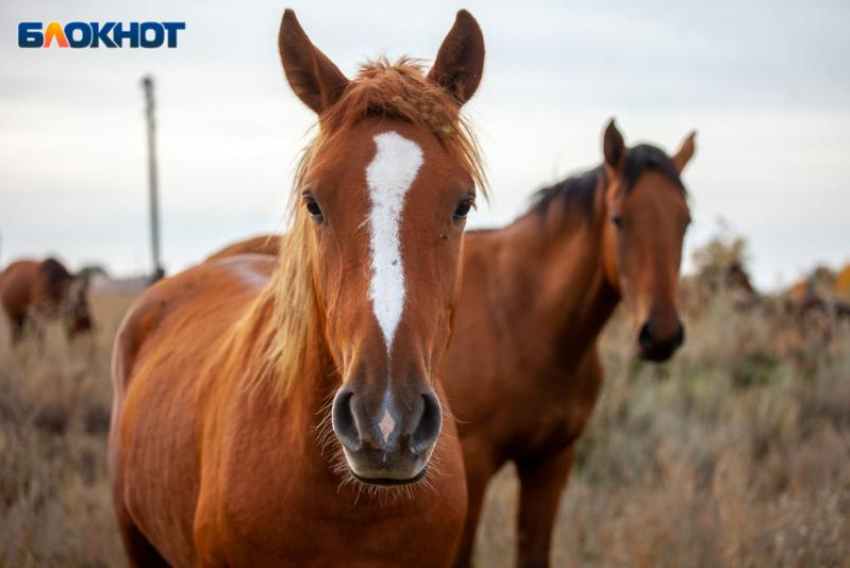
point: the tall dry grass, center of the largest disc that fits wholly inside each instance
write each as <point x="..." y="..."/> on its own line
<point x="55" y="504"/>
<point x="736" y="453"/>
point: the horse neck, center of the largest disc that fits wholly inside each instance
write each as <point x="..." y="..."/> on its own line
<point x="308" y="386"/>
<point x="560" y="260"/>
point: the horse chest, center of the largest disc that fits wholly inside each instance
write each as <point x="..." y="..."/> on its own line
<point x="270" y="506"/>
<point x="547" y="411"/>
<point x="309" y="525"/>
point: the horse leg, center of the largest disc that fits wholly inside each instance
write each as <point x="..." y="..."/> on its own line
<point x="17" y="330"/>
<point x="140" y="552"/>
<point x="478" y="474"/>
<point x="541" y="481"/>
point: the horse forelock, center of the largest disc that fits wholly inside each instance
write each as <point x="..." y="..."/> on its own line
<point x="402" y="91"/>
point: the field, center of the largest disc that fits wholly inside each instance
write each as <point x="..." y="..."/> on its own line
<point x="737" y="453"/>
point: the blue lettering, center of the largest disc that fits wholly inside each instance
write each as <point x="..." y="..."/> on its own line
<point x="171" y="29"/>
<point x="96" y="34"/>
<point x="30" y="35"/>
<point x="120" y="34"/>
<point x="101" y="34"/>
<point x="158" y="34"/>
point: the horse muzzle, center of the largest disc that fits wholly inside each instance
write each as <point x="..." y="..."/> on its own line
<point x="388" y="443"/>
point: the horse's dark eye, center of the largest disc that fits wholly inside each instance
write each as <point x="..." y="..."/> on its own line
<point x="618" y="221"/>
<point x="313" y="208"/>
<point x="462" y="209"/>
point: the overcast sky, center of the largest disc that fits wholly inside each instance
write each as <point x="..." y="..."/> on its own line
<point x="765" y="83"/>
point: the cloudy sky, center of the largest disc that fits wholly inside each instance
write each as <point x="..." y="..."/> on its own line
<point x="765" y="83"/>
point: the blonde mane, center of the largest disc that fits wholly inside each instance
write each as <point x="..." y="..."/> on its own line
<point x="280" y="335"/>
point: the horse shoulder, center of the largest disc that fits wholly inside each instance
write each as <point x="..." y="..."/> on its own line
<point x="134" y="329"/>
<point x="166" y="375"/>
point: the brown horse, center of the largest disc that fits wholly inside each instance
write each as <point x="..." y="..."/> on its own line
<point x="255" y="399"/>
<point x="35" y="291"/>
<point x="523" y="370"/>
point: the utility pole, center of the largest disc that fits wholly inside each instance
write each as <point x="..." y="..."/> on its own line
<point x="147" y="85"/>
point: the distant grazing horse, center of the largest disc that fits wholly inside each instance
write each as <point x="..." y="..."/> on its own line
<point x="256" y="399"/>
<point x="35" y="291"/>
<point x="523" y="370"/>
<point x="263" y="244"/>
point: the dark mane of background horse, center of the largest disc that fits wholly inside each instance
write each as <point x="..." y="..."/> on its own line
<point x="55" y="273"/>
<point x="577" y="193"/>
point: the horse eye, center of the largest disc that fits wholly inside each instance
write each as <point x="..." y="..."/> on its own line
<point x="313" y="208"/>
<point x="618" y="221"/>
<point x="462" y="209"/>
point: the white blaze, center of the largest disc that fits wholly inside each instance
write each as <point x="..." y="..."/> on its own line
<point x="389" y="176"/>
<point x="387" y="425"/>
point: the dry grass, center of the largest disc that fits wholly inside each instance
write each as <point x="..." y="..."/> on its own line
<point x="55" y="503"/>
<point x="734" y="454"/>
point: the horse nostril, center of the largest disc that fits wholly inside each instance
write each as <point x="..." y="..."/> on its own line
<point x="430" y="422"/>
<point x="342" y="419"/>
<point x="645" y="338"/>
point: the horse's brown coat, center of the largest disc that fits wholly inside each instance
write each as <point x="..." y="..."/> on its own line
<point x="220" y="452"/>
<point x="523" y="367"/>
<point x="263" y="244"/>
<point x="523" y="370"/>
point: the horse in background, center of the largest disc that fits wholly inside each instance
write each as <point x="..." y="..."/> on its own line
<point x="34" y="291"/>
<point x="523" y="369"/>
<point x="264" y="409"/>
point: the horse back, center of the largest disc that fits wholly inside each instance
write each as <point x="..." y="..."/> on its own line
<point x="262" y="244"/>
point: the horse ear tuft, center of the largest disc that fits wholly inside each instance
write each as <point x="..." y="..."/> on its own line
<point x="460" y="61"/>
<point x="614" y="147"/>
<point x="313" y="77"/>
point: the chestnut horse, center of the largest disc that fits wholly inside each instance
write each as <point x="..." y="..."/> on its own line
<point x="35" y="291"/>
<point x="523" y="368"/>
<point x="256" y="398"/>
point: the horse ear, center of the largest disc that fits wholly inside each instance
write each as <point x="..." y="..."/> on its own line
<point x="313" y="77"/>
<point x="614" y="148"/>
<point x="460" y="61"/>
<point x="685" y="153"/>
